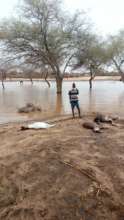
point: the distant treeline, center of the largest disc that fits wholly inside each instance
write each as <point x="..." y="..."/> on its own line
<point x="40" y="75"/>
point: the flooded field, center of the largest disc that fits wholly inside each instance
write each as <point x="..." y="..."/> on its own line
<point x="106" y="96"/>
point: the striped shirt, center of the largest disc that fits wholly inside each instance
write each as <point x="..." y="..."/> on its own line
<point x="73" y="94"/>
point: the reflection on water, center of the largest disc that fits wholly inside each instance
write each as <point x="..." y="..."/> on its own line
<point x="106" y="96"/>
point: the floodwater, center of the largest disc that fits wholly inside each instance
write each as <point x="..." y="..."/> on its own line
<point x="106" y="96"/>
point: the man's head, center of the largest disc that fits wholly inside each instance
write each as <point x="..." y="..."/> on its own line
<point x="73" y="85"/>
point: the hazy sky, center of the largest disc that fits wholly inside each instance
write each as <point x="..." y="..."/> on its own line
<point x="107" y="15"/>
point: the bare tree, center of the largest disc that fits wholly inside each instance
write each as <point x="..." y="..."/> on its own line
<point x="45" y="34"/>
<point x="115" y="52"/>
<point x="4" y="67"/>
<point x="91" y="56"/>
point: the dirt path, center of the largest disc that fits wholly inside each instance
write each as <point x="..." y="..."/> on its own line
<point x="63" y="173"/>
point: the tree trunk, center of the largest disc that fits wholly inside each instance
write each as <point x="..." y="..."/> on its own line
<point x="122" y="77"/>
<point x="3" y="84"/>
<point x="90" y="82"/>
<point x="3" y="76"/>
<point x="45" y="77"/>
<point x="48" y="83"/>
<point x="119" y="70"/>
<point x="59" y="85"/>
<point x="31" y="80"/>
<point x="91" y="78"/>
<point x="58" y="103"/>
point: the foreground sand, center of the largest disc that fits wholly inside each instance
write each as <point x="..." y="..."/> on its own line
<point x="63" y="173"/>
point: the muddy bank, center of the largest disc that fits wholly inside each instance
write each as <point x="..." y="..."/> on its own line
<point x="64" y="173"/>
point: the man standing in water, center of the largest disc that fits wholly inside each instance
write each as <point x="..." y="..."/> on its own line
<point x="73" y="96"/>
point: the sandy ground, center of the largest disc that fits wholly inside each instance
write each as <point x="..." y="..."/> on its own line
<point x="81" y="78"/>
<point x="64" y="173"/>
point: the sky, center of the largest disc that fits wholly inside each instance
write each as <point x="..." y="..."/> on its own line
<point x="106" y="15"/>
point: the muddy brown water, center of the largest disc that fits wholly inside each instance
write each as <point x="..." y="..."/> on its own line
<point x="106" y="96"/>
